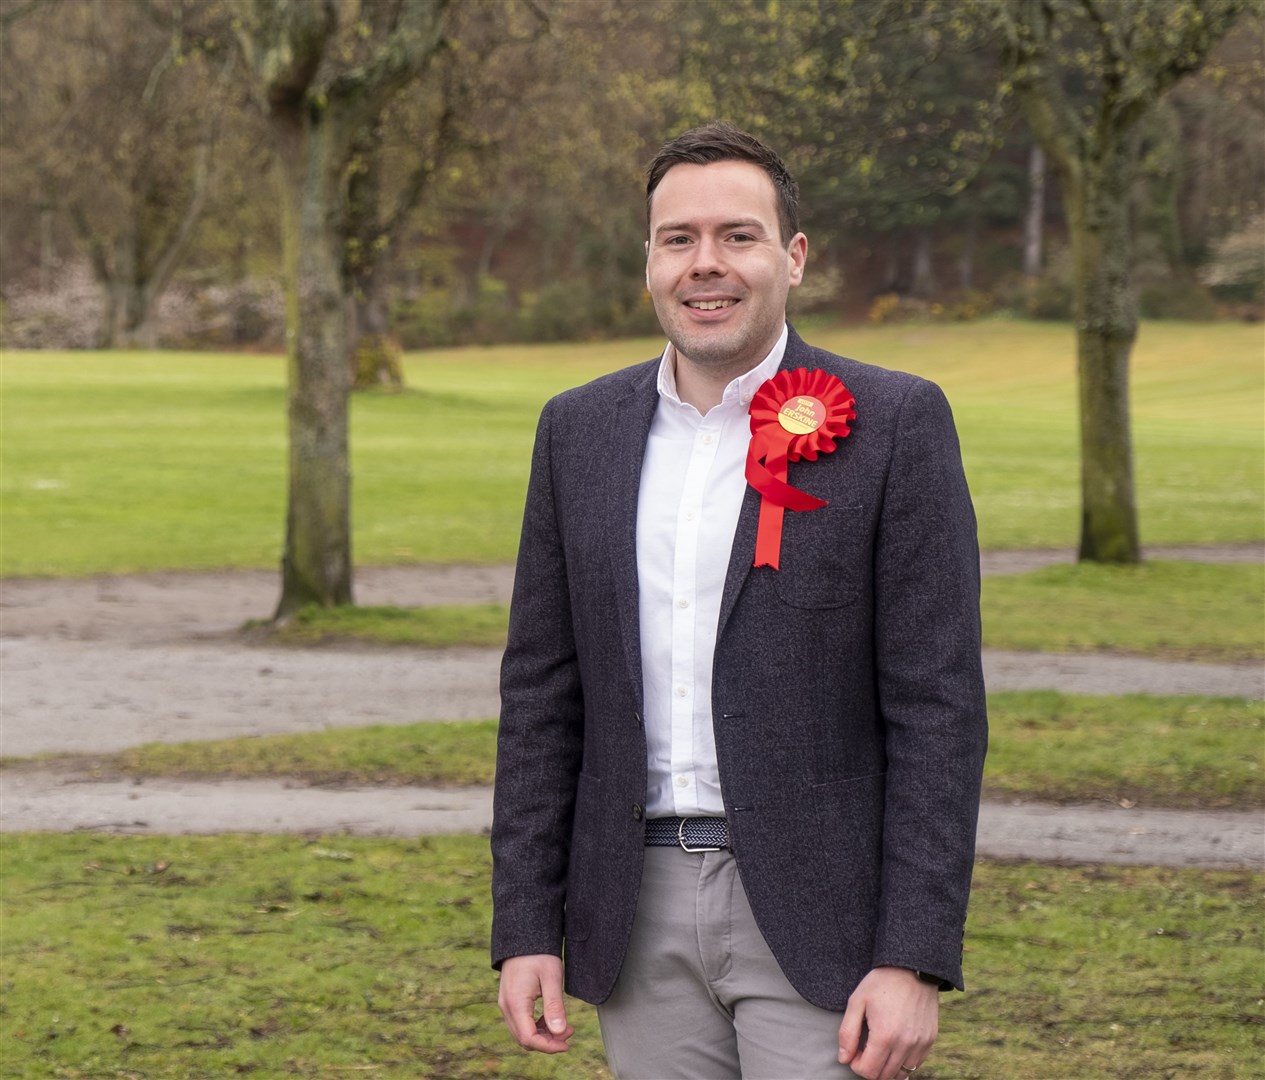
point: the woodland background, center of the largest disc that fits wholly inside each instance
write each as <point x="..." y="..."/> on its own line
<point x="499" y="197"/>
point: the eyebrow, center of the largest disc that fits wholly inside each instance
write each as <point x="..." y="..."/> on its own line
<point x="751" y="224"/>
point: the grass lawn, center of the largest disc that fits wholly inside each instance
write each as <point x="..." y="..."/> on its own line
<point x="219" y="956"/>
<point x="1156" y="751"/>
<point x="441" y="626"/>
<point x="1170" y="610"/>
<point x="118" y="462"/>
<point x="1181" y="752"/>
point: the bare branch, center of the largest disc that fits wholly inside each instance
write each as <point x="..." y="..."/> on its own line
<point x="203" y="173"/>
<point x="1050" y="114"/>
<point x="169" y="57"/>
<point x="402" y="56"/>
<point x="284" y="42"/>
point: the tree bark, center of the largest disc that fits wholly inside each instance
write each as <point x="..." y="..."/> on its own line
<point x="924" y="280"/>
<point x="375" y="360"/>
<point x="316" y="95"/>
<point x="1034" y="219"/>
<point x="374" y="356"/>
<point x="1133" y="59"/>
<point x="1097" y="207"/>
<point x="966" y="256"/>
<point x="316" y="565"/>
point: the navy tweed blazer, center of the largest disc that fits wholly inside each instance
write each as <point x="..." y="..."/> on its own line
<point x="848" y="697"/>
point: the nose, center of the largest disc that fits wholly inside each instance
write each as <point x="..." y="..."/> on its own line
<point x="708" y="260"/>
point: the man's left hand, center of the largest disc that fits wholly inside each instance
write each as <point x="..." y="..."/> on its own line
<point x="899" y="1016"/>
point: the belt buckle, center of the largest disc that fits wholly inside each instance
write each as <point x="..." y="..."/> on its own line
<point x="680" y="839"/>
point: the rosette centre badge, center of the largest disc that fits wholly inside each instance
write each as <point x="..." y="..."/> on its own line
<point x="795" y="415"/>
<point x="802" y="415"/>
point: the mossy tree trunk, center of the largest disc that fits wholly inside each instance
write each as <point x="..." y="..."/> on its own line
<point x="324" y="70"/>
<point x="316" y="565"/>
<point x="1097" y="205"/>
<point x="375" y="356"/>
<point x="1087" y="73"/>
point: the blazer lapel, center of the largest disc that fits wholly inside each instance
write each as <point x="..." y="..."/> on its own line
<point x="630" y="428"/>
<point x="742" y="557"/>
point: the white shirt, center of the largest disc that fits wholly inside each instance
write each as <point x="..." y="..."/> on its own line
<point x="692" y="486"/>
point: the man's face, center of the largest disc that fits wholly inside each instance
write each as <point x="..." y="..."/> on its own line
<point x="716" y="267"/>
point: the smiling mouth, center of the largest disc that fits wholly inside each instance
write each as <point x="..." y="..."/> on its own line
<point x="709" y="305"/>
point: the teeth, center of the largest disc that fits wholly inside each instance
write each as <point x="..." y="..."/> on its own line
<point x="710" y="305"/>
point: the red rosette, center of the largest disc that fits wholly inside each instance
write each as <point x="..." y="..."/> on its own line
<point x="794" y="415"/>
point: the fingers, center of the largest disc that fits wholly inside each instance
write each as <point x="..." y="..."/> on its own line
<point x="890" y="1057"/>
<point x="850" y="1029"/>
<point x="524" y="981"/>
<point x="889" y="1025"/>
<point x="554" y="1010"/>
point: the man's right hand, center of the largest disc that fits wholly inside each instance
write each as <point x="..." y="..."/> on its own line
<point x="524" y="981"/>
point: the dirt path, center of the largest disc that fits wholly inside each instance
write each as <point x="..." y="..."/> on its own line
<point x="96" y="665"/>
<point x="67" y="802"/>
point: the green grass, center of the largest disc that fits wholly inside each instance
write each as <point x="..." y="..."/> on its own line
<point x="269" y="956"/>
<point x="1169" y="610"/>
<point x="118" y="462"/>
<point x="1197" y="393"/>
<point x="459" y="752"/>
<point x="1172" y="610"/>
<point x="1182" y="752"/>
<point x="278" y="957"/>
<point x="435" y="627"/>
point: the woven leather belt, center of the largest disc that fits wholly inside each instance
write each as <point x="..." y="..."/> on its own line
<point x="690" y="834"/>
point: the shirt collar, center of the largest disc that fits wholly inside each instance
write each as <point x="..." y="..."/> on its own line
<point x="742" y="389"/>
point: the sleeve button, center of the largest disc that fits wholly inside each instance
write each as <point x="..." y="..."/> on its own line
<point x="637" y="812"/>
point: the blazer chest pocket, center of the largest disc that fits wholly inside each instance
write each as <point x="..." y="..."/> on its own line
<point x="823" y="556"/>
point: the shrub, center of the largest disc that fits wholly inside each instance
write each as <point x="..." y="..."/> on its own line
<point x="67" y="316"/>
<point x="1176" y="299"/>
<point x="559" y="312"/>
<point x="961" y="305"/>
<point x="1236" y="269"/>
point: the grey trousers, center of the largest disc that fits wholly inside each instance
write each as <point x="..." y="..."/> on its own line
<point x="700" y="996"/>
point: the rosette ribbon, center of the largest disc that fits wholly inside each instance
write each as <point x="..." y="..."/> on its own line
<point x="796" y="414"/>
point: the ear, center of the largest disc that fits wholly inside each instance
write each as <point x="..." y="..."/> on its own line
<point x="647" y="264"/>
<point x="796" y="255"/>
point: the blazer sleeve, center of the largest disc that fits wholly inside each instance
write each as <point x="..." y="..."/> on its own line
<point x="930" y="691"/>
<point x="540" y="738"/>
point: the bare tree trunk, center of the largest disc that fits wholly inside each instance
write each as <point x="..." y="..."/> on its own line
<point x="375" y="356"/>
<point x="1034" y="219"/>
<point x="966" y="257"/>
<point x="924" y="283"/>
<point x="891" y="271"/>
<point x="47" y="255"/>
<point x="1106" y="327"/>
<point x="1162" y="217"/>
<point x="316" y="97"/>
<point x="1133" y="59"/>
<point x="316" y="566"/>
<point x="376" y="360"/>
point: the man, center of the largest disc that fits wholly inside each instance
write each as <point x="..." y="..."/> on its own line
<point x="743" y="795"/>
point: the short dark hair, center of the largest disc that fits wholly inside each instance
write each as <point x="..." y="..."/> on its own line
<point x="722" y="141"/>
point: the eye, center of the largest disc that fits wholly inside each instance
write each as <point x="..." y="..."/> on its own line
<point x="742" y="238"/>
<point x="677" y="240"/>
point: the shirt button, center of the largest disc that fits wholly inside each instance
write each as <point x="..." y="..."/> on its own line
<point x="689" y="515"/>
<point x="708" y="439"/>
<point x="682" y="781"/>
<point x="681" y="691"/>
<point x="682" y="603"/>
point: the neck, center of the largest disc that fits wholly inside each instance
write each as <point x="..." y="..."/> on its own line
<point x="703" y="387"/>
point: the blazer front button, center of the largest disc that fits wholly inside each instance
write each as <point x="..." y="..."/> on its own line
<point x="637" y="812"/>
